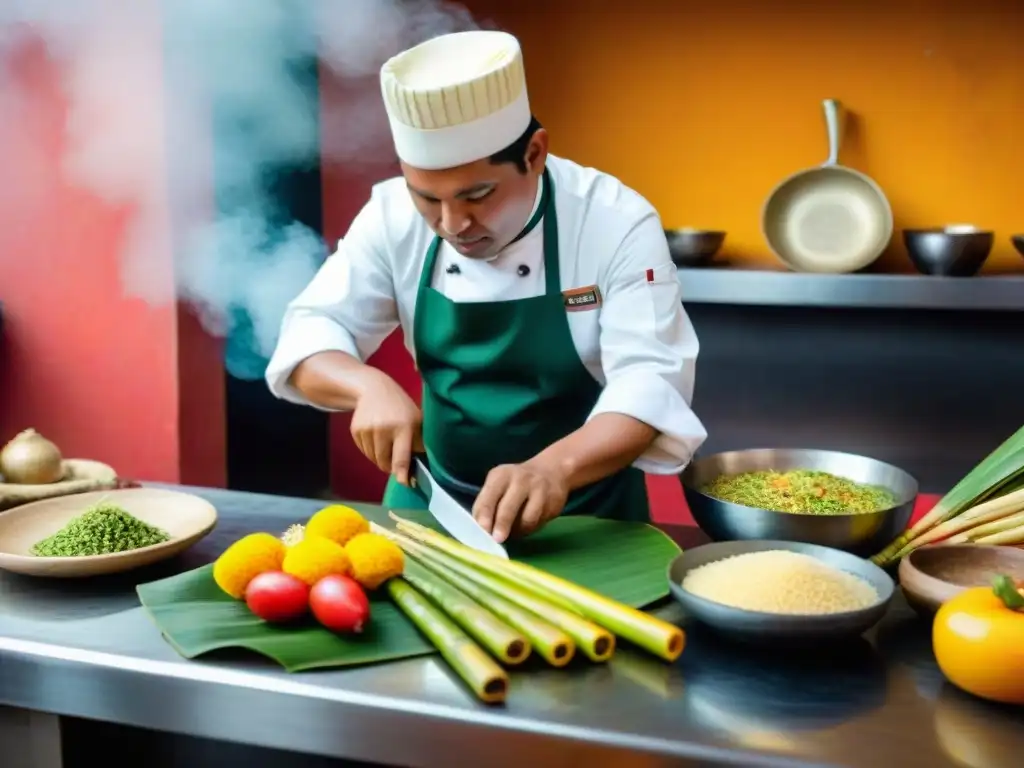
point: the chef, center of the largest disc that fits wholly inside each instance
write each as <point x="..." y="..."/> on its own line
<point x="536" y="296"/>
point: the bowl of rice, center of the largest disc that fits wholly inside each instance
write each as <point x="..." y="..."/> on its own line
<point x="839" y="500"/>
<point x="769" y="591"/>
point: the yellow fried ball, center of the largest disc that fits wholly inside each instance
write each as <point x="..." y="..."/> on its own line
<point x="246" y="559"/>
<point x="374" y="559"/>
<point x="337" y="523"/>
<point x="315" y="557"/>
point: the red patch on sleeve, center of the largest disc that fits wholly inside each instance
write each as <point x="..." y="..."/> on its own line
<point x="650" y="275"/>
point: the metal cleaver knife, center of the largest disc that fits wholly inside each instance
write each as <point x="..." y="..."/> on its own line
<point x="453" y="516"/>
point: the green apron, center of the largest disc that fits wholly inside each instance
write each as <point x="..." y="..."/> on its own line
<point x="502" y="380"/>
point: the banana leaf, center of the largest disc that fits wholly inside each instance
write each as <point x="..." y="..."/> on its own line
<point x="623" y="561"/>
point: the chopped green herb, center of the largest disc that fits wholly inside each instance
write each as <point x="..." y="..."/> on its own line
<point x="103" y="529"/>
<point x="800" y="491"/>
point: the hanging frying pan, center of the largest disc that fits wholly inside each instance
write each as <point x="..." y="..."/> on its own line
<point x="829" y="218"/>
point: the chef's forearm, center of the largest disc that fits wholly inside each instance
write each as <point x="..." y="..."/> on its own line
<point x="334" y="380"/>
<point x="601" y="447"/>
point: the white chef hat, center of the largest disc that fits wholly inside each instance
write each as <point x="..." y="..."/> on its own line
<point x="456" y="98"/>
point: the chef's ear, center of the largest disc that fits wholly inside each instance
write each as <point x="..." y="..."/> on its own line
<point x="537" y="151"/>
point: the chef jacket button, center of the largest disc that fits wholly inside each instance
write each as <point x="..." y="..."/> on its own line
<point x="453" y="269"/>
<point x="523" y="270"/>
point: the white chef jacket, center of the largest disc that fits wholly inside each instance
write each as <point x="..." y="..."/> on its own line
<point x="638" y="344"/>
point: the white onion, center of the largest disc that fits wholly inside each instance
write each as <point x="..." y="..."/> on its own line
<point x="31" y="459"/>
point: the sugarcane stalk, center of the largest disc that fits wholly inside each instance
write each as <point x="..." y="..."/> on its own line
<point x="551" y="643"/>
<point x="659" y="637"/>
<point x="1011" y="536"/>
<point x="501" y="640"/>
<point x="483" y="676"/>
<point x="439" y="543"/>
<point x="596" y="642"/>
<point x="1008" y="501"/>
<point x="991" y="511"/>
<point x="1000" y="469"/>
<point x="987" y="529"/>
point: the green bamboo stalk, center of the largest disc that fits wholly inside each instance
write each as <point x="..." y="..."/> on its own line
<point x="554" y="645"/>
<point x="501" y="640"/>
<point x="597" y="643"/>
<point x="659" y="637"/>
<point x="483" y="676"/>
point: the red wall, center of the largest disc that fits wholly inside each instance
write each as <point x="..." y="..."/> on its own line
<point x="346" y="188"/>
<point x="105" y="377"/>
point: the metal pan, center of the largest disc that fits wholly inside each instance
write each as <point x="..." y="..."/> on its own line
<point x="829" y="218"/>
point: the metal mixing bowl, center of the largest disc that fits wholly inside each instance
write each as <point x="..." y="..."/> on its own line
<point x="864" y="534"/>
<point x="760" y="627"/>
<point x="954" y="251"/>
<point x="693" y="247"/>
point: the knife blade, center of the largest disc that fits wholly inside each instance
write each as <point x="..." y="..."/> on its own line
<point x="453" y="516"/>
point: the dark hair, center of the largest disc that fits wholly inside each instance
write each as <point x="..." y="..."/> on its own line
<point x="516" y="151"/>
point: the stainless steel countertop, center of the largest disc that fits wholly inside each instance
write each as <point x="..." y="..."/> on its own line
<point x="741" y="286"/>
<point x="87" y="649"/>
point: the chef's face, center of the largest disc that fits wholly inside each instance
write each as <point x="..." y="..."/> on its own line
<point x="481" y="207"/>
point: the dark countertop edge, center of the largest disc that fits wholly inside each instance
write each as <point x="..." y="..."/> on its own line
<point x="749" y="287"/>
<point x="519" y="738"/>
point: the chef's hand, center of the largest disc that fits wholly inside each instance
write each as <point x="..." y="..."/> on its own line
<point x="386" y="427"/>
<point x="519" y="499"/>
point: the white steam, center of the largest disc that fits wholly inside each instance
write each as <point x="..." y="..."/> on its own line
<point x="139" y="124"/>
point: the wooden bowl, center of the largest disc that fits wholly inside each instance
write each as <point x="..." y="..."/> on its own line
<point x="934" y="574"/>
<point x="185" y="517"/>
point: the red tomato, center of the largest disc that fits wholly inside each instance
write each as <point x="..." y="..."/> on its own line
<point x="276" y="596"/>
<point x="340" y="604"/>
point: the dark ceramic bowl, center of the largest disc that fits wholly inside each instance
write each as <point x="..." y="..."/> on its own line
<point x="958" y="251"/>
<point x="1018" y="243"/>
<point x="693" y="247"/>
<point x="780" y="629"/>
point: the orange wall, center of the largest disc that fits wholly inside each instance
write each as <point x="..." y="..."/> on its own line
<point x="103" y="376"/>
<point x="704" y="105"/>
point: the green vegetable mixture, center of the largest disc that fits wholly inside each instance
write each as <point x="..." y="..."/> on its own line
<point x="800" y="491"/>
<point x="103" y="529"/>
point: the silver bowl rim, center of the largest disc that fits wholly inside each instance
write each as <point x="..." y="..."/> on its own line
<point x="802" y="618"/>
<point x="689" y="488"/>
<point x="948" y="232"/>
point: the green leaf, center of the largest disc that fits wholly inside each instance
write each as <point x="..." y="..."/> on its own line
<point x="999" y="473"/>
<point x="623" y="561"/>
<point x="1001" y="469"/>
